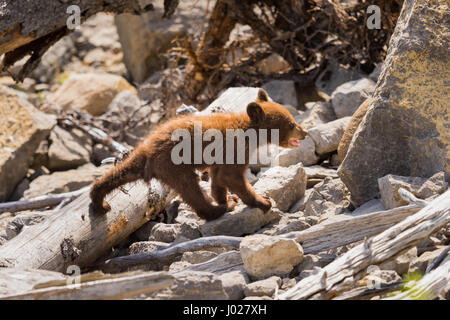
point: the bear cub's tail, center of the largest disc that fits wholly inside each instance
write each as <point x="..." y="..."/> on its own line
<point x="131" y="169"/>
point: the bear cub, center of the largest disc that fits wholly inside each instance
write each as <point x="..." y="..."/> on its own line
<point x="152" y="158"/>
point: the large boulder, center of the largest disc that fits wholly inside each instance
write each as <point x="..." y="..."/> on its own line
<point x="89" y="92"/>
<point x="22" y="128"/>
<point x="146" y="37"/>
<point x="405" y="131"/>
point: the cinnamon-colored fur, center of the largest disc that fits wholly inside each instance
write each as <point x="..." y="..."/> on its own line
<point x="152" y="159"/>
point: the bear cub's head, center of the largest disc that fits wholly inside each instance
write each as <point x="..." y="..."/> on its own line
<point x="266" y="114"/>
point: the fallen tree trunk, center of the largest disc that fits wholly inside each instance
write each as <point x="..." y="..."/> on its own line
<point x="387" y="244"/>
<point x="78" y="236"/>
<point x="169" y="255"/>
<point x="345" y="229"/>
<point x="41" y="201"/>
<point x="325" y="236"/>
<point x="99" y="286"/>
<point x="31" y="27"/>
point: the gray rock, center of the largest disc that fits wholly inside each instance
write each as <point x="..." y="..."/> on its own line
<point x="304" y="153"/>
<point x="349" y="96"/>
<point x="264" y="256"/>
<point x="328" y="135"/>
<point x="421" y="187"/>
<point x="403" y="132"/>
<point x="22" y="128"/>
<point x="401" y="263"/>
<point x="242" y="220"/>
<point x="163" y="232"/>
<point x="285" y="185"/>
<point x="64" y="181"/>
<point x="282" y="91"/>
<point x="316" y="113"/>
<point x="266" y="287"/>
<point x="328" y="198"/>
<point x="68" y="150"/>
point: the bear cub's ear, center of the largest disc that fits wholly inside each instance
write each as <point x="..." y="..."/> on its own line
<point x="255" y="112"/>
<point x="262" y="95"/>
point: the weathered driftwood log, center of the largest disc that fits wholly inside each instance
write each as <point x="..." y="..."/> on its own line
<point x="169" y="255"/>
<point x="97" y="286"/>
<point x="78" y="236"/>
<point x="387" y="244"/>
<point x="430" y="286"/>
<point x="328" y="235"/>
<point x="345" y="229"/>
<point x="41" y="201"/>
<point x="31" y="27"/>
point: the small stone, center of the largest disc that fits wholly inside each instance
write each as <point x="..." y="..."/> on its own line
<point x="349" y="96"/>
<point x="420" y="187"/>
<point x="266" y="287"/>
<point x="284" y="185"/>
<point x="327" y="136"/>
<point x="242" y="220"/>
<point x="328" y="198"/>
<point x="163" y="232"/>
<point x="282" y="92"/>
<point x="264" y="256"/>
<point x="68" y="150"/>
<point x="304" y="153"/>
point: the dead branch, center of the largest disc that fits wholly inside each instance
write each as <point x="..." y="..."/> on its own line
<point x="169" y="255"/>
<point x="389" y="243"/>
<point x="345" y="229"/>
<point x="49" y="200"/>
<point x="96" y="134"/>
<point x="31" y="27"/>
<point x="99" y="286"/>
